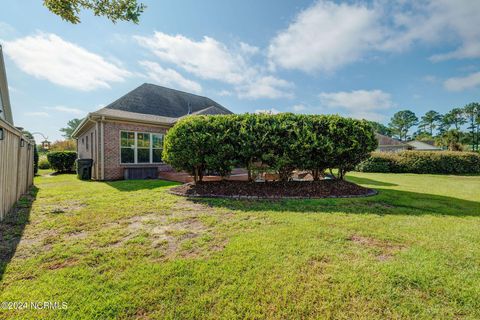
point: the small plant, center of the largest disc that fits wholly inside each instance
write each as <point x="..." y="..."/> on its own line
<point x="43" y="163"/>
<point x="62" y="161"/>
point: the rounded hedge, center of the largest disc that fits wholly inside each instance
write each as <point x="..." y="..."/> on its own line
<point x="437" y="162"/>
<point x="283" y="143"/>
<point x="62" y="161"/>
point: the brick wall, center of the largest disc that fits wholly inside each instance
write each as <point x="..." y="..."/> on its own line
<point x="114" y="170"/>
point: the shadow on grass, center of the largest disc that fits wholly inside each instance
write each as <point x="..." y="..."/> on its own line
<point x="387" y="202"/>
<point x="361" y="180"/>
<point x="11" y="228"/>
<point x="136" y="185"/>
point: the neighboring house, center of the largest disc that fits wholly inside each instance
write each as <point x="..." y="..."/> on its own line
<point x="422" y="146"/>
<point x="16" y="152"/>
<point x="387" y="144"/>
<point x="125" y="139"/>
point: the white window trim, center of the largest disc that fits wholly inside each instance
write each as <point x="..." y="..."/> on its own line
<point x="135" y="147"/>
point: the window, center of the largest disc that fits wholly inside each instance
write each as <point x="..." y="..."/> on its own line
<point x="86" y="142"/>
<point x="127" y="147"/>
<point x="140" y="147"/>
<point x="157" y="147"/>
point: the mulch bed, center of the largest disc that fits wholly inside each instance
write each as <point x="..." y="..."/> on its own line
<point x="273" y="190"/>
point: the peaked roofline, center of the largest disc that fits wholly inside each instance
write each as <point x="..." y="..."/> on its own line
<point x="5" y="98"/>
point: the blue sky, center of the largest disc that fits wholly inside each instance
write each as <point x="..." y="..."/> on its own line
<point x="356" y="58"/>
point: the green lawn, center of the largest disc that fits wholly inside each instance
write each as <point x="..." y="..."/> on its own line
<point x="129" y="249"/>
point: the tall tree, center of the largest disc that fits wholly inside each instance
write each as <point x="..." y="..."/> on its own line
<point x="71" y="126"/>
<point x="454" y="117"/>
<point x="472" y="113"/>
<point x="429" y="121"/>
<point x="380" y="128"/>
<point x="401" y="123"/>
<point x="115" y="10"/>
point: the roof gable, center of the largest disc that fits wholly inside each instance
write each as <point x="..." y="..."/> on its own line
<point x="160" y="101"/>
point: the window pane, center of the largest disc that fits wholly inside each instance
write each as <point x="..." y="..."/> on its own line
<point x="157" y="155"/>
<point x="157" y="140"/>
<point x="143" y="140"/>
<point x="127" y="139"/>
<point x="143" y="155"/>
<point x="127" y="155"/>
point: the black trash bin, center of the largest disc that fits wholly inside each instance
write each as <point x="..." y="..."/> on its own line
<point x="84" y="169"/>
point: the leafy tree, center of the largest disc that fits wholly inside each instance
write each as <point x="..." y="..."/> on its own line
<point x="454" y="117"/>
<point x="472" y="113"/>
<point x="71" y="126"/>
<point x="422" y="136"/>
<point x="115" y="10"/>
<point x="401" y="123"/>
<point x="430" y="120"/>
<point x="63" y="145"/>
<point x="450" y="139"/>
<point x="380" y="128"/>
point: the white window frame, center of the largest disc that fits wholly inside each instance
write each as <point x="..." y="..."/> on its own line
<point x="135" y="147"/>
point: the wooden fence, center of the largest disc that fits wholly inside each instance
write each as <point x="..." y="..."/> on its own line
<point x="16" y="166"/>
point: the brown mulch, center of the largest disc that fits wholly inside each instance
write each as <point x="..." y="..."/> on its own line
<point x="273" y="190"/>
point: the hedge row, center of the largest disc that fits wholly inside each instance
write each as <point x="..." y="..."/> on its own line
<point x="282" y="142"/>
<point x="438" y="162"/>
<point x="62" y="161"/>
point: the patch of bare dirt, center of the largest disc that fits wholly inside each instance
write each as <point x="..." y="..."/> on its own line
<point x="385" y="250"/>
<point x="62" y="264"/>
<point x="67" y="207"/>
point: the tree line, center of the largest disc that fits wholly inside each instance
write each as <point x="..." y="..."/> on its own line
<point x="452" y="130"/>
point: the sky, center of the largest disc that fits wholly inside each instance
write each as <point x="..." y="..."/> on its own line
<point x="363" y="59"/>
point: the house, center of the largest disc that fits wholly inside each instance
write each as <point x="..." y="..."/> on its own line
<point x="5" y="109"/>
<point x="387" y="144"/>
<point x="16" y="152"/>
<point x="125" y="138"/>
<point x="423" y="146"/>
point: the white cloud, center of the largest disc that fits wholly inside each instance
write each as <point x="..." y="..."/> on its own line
<point x="266" y="87"/>
<point x="299" y="107"/>
<point x="325" y="37"/>
<point x="37" y="114"/>
<point x="358" y="103"/>
<point x="224" y="93"/>
<point x="212" y="60"/>
<point x="328" y="35"/>
<point x="64" y="109"/>
<point x="207" y="59"/>
<point x="268" y="111"/>
<point x="463" y="83"/>
<point x="248" y="49"/>
<point x="169" y="77"/>
<point x="47" y="56"/>
<point x="437" y="22"/>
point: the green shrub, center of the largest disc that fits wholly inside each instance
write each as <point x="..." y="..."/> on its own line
<point x="35" y="158"/>
<point x="62" y="161"/>
<point x="282" y="143"/>
<point x="435" y="162"/>
<point x="43" y="163"/>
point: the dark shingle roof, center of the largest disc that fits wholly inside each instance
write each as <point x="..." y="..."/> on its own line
<point x="160" y="101"/>
<point x="387" y="141"/>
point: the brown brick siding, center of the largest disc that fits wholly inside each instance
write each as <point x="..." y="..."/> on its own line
<point x="114" y="170"/>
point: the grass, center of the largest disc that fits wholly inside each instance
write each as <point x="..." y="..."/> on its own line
<point x="129" y="249"/>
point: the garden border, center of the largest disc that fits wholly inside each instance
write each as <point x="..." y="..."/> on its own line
<point x="371" y="193"/>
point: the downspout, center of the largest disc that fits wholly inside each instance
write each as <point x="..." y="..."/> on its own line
<point x="102" y="158"/>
